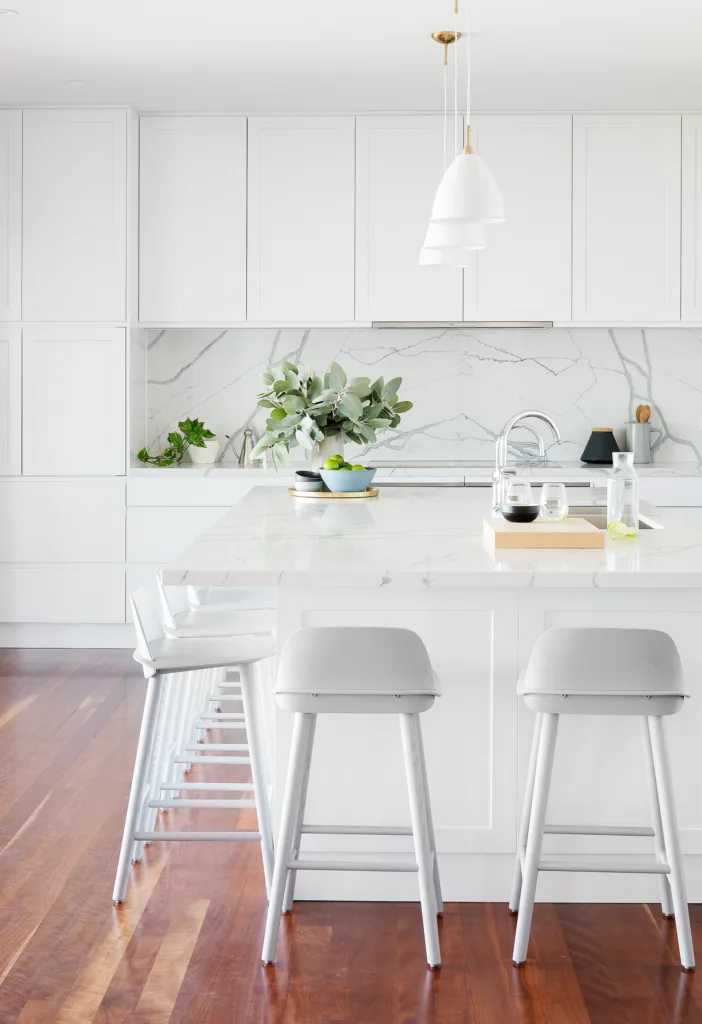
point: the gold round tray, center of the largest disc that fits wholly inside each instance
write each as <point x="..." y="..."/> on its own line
<point x="370" y="492"/>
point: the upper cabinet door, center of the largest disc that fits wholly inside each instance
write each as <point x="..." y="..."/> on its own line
<point x="399" y="164"/>
<point x="626" y="217"/>
<point x="10" y="214"/>
<point x="524" y="273"/>
<point x="691" y="251"/>
<point x="10" y="401"/>
<point x="73" y="389"/>
<point x="301" y="219"/>
<point x="74" y="203"/>
<point x="192" y="223"/>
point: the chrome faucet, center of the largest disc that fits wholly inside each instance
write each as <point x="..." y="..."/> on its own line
<point x="499" y="478"/>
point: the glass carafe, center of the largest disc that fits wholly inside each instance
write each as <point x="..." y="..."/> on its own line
<point x="623" y="498"/>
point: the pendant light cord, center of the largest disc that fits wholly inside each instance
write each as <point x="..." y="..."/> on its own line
<point x="456" y="119"/>
<point x="468" y="69"/>
<point x="445" y="116"/>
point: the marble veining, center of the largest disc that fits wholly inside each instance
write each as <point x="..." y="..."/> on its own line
<point x="465" y="384"/>
<point x="416" y="537"/>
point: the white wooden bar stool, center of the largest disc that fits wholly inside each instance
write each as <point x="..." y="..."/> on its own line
<point x="602" y="672"/>
<point x="186" y="666"/>
<point x="396" y="678"/>
<point x="183" y="618"/>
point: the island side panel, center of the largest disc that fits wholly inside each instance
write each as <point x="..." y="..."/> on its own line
<point x="599" y="770"/>
<point x="470" y="738"/>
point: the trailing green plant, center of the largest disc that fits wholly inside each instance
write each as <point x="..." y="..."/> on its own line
<point x="306" y="407"/>
<point x="192" y="432"/>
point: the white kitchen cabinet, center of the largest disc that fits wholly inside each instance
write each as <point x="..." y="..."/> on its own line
<point x="158" y="535"/>
<point x="691" y="248"/>
<point x="524" y="273"/>
<point x="10" y="214"/>
<point x="10" y="401"/>
<point x="74" y="215"/>
<point x="626" y="217"/>
<point x="62" y="520"/>
<point x="399" y="164"/>
<point x="73" y="401"/>
<point x="192" y="222"/>
<point x="301" y="219"/>
<point x="67" y="594"/>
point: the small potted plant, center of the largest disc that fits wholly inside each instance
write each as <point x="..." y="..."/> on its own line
<point x="321" y="412"/>
<point x="193" y="438"/>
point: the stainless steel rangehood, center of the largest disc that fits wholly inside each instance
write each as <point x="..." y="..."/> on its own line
<point x="445" y="325"/>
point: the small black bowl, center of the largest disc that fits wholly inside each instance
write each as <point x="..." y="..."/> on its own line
<point x="520" y="513"/>
<point x="307" y="474"/>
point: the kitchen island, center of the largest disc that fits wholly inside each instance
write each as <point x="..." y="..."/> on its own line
<point x="416" y="558"/>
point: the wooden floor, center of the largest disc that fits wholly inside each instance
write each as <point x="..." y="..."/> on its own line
<point x="185" y="946"/>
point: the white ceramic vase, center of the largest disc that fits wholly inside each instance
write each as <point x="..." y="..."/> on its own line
<point x="206" y="456"/>
<point x="323" y="450"/>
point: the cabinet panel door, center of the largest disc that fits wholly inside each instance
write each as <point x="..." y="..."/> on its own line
<point x="301" y="219"/>
<point x="399" y="164"/>
<point x="192" y="223"/>
<point x="74" y="214"/>
<point x="73" y="401"/>
<point x="62" y="520"/>
<point x="691" y="249"/>
<point x="67" y="593"/>
<point x="524" y="273"/>
<point x="10" y="401"/>
<point x="159" y="535"/>
<point x="626" y="217"/>
<point x="10" y="214"/>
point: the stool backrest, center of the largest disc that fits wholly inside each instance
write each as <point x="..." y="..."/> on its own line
<point x="146" y="622"/>
<point x="166" y="610"/>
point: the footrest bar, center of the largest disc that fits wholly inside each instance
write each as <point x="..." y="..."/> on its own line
<point x="223" y="716"/>
<point x="216" y="746"/>
<point x="179" y="837"/>
<point x="598" y="830"/>
<point x="612" y="867"/>
<point x="212" y="805"/>
<point x="186" y="759"/>
<point x="357" y="830"/>
<point x="350" y="865"/>
<point x="222" y="787"/>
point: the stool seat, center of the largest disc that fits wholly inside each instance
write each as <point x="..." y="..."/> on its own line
<point x="603" y="672"/>
<point x="177" y="655"/>
<point x="355" y="670"/>
<point x="219" y="620"/>
<point x="236" y="597"/>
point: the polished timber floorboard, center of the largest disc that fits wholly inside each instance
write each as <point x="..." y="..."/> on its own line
<point x="185" y="946"/>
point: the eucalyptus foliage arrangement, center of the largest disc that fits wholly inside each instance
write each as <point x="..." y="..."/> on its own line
<point x="305" y="408"/>
<point x="193" y="432"/>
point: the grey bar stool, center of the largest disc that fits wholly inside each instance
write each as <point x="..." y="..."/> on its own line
<point x="396" y="678"/>
<point x="637" y="672"/>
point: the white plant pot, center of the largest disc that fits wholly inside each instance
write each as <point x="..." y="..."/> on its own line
<point x="323" y="450"/>
<point x="206" y="456"/>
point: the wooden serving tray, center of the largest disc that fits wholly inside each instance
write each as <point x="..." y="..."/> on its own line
<point x="571" y="533"/>
<point x="370" y="492"/>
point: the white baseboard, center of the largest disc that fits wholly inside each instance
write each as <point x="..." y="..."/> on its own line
<point x="51" y="634"/>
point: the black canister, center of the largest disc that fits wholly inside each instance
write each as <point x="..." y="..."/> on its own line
<point x="600" y="447"/>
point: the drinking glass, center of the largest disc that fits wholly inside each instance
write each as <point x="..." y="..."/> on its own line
<point x="554" y="502"/>
<point x="519" y="493"/>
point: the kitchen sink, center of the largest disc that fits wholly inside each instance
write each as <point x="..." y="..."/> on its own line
<point x="597" y="515"/>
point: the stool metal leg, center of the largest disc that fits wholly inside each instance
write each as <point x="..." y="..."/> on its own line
<point x="672" y="841"/>
<point x="537" y="818"/>
<point x="524" y="820"/>
<point x="658" y="844"/>
<point x="430" y="824"/>
<point x="409" y="727"/>
<point x="141" y="766"/>
<point x="258" y="771"/>
<point x="289" y="897"/>
<point x="302" y="731"/>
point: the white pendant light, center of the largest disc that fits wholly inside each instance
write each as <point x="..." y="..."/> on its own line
<point x="468" y="192"/>
<point x="450" y="234"/>
<point x="447" y="257"/>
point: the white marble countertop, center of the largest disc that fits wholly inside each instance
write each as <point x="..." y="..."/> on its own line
<point x="420" y="537"/>
<point x="460" y="472"/>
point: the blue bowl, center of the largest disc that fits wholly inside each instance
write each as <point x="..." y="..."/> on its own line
<point x="347" y="481"/>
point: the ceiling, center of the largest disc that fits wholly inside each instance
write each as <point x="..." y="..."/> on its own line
<point x="357" y="55"/>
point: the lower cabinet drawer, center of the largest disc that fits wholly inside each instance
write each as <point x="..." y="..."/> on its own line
<point x="158" y="535"/>
<point x="67" y="594"/>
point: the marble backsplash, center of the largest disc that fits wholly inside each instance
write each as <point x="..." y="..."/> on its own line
<point x="465" y="384"/>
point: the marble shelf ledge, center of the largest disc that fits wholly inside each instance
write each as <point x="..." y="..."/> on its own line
<point x="418" y="538"/>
